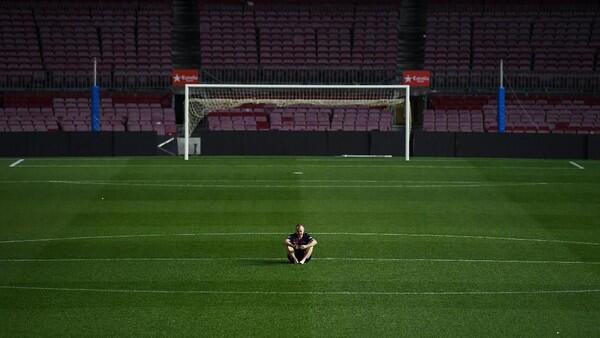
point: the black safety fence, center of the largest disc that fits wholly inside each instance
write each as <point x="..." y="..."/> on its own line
<point x="83" y="80"/>
<point x="301" y="75"/>
<point x="532" y="82"/>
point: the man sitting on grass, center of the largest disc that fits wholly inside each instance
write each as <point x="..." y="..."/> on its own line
<point x="299" y="246"/>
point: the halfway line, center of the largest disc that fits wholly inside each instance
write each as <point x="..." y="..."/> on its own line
<point x="332" y="293"/>
<point x="284" y="186"/>
<point x="295" y="165"/>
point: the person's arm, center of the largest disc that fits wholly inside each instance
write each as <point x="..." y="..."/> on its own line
<point x="287" y="242"/>
<point x="310" y="244"/>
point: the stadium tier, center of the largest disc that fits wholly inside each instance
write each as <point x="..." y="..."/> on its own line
<point x="52" y="43"/>
<point x="546" y="36"/>
<point x="278" y="35"/>
<point x="546" y="45"/>
<point x="71" y="112"/>
<point x="523" y="115"/>
<point x="271" y="35"/>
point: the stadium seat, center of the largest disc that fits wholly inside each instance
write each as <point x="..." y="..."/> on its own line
<point x="523" y="115"/>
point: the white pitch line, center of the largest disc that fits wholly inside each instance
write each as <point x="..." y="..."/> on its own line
<point x="452" y="260"/>
<point x="461" y="236"/>
<point x="167" y="141"/>
<point x="373" y="234"/>
<point x="473" y="160"/>
<point x="170" y="181"/>
<point x="16" y="163"/>
<point x="325" y="293"/>
<point x="83" y="238"/>
<point x="365" y="156"/>
<point x="295" y="165"/>
<point x="274" y="259"/>
<point x="576" y="165"/>
<point x="285" y="186"/>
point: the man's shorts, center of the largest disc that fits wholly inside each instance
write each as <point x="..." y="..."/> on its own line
<point x="299" y="255"/>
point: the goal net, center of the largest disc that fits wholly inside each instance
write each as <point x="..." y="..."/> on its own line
<point x="202" y="99"/>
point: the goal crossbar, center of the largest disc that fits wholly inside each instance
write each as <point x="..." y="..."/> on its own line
<point x="259" y="93"/>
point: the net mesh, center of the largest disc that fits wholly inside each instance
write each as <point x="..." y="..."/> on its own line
<point x="205" y="99"/>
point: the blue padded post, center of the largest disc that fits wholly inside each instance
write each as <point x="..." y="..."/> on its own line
<point x="501" y="110"/>
<point x="95" y="108"/>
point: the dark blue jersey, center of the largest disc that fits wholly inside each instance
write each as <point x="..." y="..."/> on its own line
<point x="295" y="240"/>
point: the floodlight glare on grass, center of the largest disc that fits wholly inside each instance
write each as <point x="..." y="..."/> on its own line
<point x="201" y="99"/>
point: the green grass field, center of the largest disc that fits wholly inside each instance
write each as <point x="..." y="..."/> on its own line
<point x="430" y="247"/>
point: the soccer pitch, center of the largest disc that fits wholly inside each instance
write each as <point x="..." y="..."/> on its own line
<point x="430" y="247"/>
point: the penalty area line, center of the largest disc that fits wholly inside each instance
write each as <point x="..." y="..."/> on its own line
<point x="326" y="293"/>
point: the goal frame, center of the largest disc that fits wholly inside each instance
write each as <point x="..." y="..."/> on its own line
<point x="406" y="88"/>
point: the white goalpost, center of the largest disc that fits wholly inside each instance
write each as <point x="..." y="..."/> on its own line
<point x="201" y="99"/>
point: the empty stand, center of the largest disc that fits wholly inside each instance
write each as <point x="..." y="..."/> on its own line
<point x="71" y="112"/>
<point x="523" y="115"/>
<point x="536" y="39"/>
<point x="52" y="44"/>
<point x="273" y="36"/>
<point x="20" y="55"/>
<point x="301" y="118"/>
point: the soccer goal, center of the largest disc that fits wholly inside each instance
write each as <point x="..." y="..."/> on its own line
<point x="201" y="99"/>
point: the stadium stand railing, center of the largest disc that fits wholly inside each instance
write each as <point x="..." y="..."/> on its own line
<point x="299" y="75"/>
<point x="531" y="82"/>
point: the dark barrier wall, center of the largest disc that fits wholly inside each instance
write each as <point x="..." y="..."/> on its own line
<point x="434" y="144"/>
<point x="309" y="143"/>
<point x="506" y="145"/>
<point x="222" y="143"/>
<point x="90" y="144"/>
<point x="135" y="144"/>
<point x="392" y="143"/>
<point x="348" y="143"/>
<point x="301" y="143"/>
<point x="593" y="147"/>
<point x="34" y="144"/>
<point x="387" y="143"/>
<point x="285" y="143"/>
<point x="520" y="145"/>
<point x="77" y="144"/>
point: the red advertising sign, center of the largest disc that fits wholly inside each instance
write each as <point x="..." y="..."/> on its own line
<point x="181" y="77"/>
<point x="416" y="78"/>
